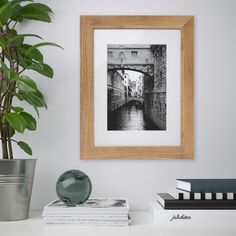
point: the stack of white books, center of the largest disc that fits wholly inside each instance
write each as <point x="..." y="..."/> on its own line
<point x="94" y="212"/>
<point x="197" y="202"/>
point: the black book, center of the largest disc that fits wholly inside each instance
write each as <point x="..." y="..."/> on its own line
<point x="207" y="185"/>
<point x="169" y="202"/>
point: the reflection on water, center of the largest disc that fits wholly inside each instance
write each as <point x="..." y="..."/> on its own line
<point x="130" y="117"/>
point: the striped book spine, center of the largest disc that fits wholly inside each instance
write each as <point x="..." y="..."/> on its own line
<point x="202" y="201"/>
<point x="205" y="196"/>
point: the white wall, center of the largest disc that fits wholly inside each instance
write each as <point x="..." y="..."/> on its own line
<point x="56" y="142"/>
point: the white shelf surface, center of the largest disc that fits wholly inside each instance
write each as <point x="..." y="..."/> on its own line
<point x="141" y="226"/>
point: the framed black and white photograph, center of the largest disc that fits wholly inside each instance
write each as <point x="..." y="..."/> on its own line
<point x="136" y="87"/>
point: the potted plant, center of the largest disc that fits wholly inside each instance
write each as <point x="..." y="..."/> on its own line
<point x="16" y="89"/>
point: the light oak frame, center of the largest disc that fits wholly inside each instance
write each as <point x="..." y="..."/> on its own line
<point x="87" y="148"/>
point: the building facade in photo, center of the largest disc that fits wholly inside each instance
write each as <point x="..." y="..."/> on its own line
<point x="115" y="90"/>
<point x="155" y="88"/>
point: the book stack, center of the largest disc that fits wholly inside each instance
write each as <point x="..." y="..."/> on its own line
<point x="94" y="212"/>
<point x="197" y="202"/>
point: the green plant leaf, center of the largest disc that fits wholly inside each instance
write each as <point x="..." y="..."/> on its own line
<point x="2" y="43"/>
<point x="20" y="96"/>
<point x="19" y="1"/>
<point x="17" y="109"/>
<point x="31" y="122"/>
<point x="5" y="13"/>
<point x="16" y="41"/>
<point x="42" y="69"/>
<point x="27" y="80"/>
<point x="23" y="97"/>
<point x="30" y="55"/>
<point x="39" y="7"/>
<point x="19" y="39"/>
<point x="36" y="11"/>
<point x="35" y="99"/>
<point x="36" y="15"/>
<point x="16" y="13"/>
<point x="11" y="131"/>
<point x="26" y="85"/>
<point x="24" y="61"/>
<point x="16" y="121"/>
<point x="32" y="48"/>
<point x="3" y="2"/>
<point x="9" y="73"/>
<point x="25" y="147"/>
<point x="37" y="111"/>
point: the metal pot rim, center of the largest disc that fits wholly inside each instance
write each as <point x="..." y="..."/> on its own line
<point x="18" y="159"/>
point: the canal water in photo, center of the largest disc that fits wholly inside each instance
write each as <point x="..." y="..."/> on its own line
<point x="130" y="117"/>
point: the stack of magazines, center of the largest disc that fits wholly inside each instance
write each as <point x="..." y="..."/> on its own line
<point x="197" y="202"/>
<point x="94" y="212"/>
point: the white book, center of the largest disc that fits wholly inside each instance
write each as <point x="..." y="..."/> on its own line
<point x="191" y="218"/>
<point x="85" y="222"/>
<point x="85" y="214"/>
<point x="92" y="205"/>
<point x="65" y="223"/>
<point x="86" y="217"/>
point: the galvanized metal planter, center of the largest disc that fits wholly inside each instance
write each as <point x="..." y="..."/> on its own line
<point x="16" y="181"/>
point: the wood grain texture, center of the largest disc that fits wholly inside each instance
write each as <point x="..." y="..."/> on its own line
<point x="87" y="26"/>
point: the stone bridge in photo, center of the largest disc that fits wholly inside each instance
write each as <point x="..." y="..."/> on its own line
<point x="131" y="57"/>
<point x="136" y="100"/>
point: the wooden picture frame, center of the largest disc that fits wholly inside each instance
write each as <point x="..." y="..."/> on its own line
<point x="87" y="148"/>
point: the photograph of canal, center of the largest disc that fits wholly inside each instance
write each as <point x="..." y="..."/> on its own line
<point x="136" y="87"/>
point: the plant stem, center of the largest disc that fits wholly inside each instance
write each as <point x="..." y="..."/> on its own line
<point x="2" y="125"/>
<point x="8" y="100"/>
<point x="13" y="27"/>
<point x="4" y="142"/>
<point x="9" y="143"/>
